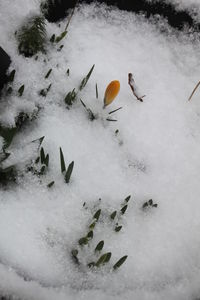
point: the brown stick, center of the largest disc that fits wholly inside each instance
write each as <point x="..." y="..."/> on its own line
<point x="196" y="87"/>
<point x="131" y="83"/>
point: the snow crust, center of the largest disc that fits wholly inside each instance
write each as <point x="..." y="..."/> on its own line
<point x="154" y="156"/>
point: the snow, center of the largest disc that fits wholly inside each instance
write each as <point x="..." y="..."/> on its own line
<point x="155" y="156"/>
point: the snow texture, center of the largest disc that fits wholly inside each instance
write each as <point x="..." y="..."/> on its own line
<point x="155" y="156"/>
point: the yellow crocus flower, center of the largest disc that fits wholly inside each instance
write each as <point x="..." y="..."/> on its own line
<point x="111" y="92"/>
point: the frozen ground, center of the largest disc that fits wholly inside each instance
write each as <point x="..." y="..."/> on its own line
<point x="155" y="155"/>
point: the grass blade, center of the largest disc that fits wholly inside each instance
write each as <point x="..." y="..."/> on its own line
<point x="97" y="94"/>
<point x="111" y="120"/>
<point x="62" y="161"/>
<point x="39" y="141"/>
<point x="48" y="73"/>
<point x="113" y="111"/>
<point x="42" y="156"/>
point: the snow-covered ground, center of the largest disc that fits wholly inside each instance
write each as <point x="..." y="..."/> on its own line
<point x="155" y="155"/>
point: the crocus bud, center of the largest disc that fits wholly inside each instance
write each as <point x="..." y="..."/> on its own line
<point x="111" y="92"/>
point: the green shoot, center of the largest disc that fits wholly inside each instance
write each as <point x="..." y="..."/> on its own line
<point x="120" y="262"/>
<point x="50" y="184"/>
<point x="70" y="97"/>
<point x="11" y="76"/>
<point x="97" y="94"/>
<point x="60" y="48"/>
<point x="91" y="226"/>
<point x="42" y="156"/>
<point x="74" y="254"/>
<point x="85" y="80"/>
<point x="118" y="228"/>
<point x="46" y="161"/>
<point x="90" y="234"/>
<point x="103" y="259"/>
<point x="99" y="246"/>
<point x="69" y="172"/>
<point x="52" y="39"/>
<point x="9" y="90"/>
<point x="83" y="241"/>
<point x="21" y="90"/>
<point x="62" y="161"/>
<point x="48" y="73"/>
<point x="97" y="214"/>
<point x="123" y="210"/>
<point x="44" y="92"/>
<point x="113" y="215"/>
<point x="127" y="199"/>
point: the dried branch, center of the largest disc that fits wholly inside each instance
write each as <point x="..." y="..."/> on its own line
<point x="196" y="87"/>
<point x="131" y="82"/>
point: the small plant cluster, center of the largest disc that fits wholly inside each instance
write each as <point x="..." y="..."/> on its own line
<point x="97" y="259"/>
<point x="31" y="37"/>
<point x="8" y="133"/>
<point x="10" y="173"/>
<point x="72" y="96"/>
<point x="110" y="94"/>
<point x="9" y="89"/>
<point x="41" y="164"/>
<point x="149" y="204"/>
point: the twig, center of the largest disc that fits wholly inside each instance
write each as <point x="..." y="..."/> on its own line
<point x="132" y="83"/>
<point x="196" y="87"/>
<point x="67" y="25"/>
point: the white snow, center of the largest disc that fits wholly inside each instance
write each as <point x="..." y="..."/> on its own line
<point x="154" y="156"/>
